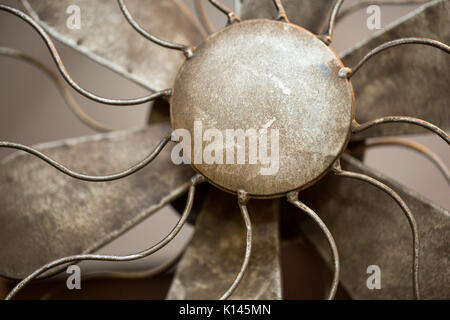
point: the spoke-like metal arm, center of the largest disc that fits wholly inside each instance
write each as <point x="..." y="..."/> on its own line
<point x="124" y="275"/>
<point x="356" y="127"/>
<point x="349" y="72"/>
<point x="73" y="105"/>
<point x="415" y="146"/>
<point x="73" y="174"/>
<point x="293" y="199"/>
<point x="62" y="69"/>
<point x="95" y="257"/>
<point x="242" y="199"/>
<point x="232" y="17"/>
<point x="412" y="221"/>
<point x="328" y="37"/>
<point x="203" y="16"/>
<point x="187" y="50"/>
<point x="281" y="15"/>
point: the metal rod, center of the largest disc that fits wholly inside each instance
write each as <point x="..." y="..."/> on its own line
<point x="293" y="199"/>
<point x="73" y="105"/>
<point x="328" y="39"/>
<point x="242" y="199"/>
<point x="62" y="69"/>
<point x="281" y="15"/>
<point x="95" y="257"/>
<point x="356" y="127"/>
<point x="349" y="72"/>
<point x="412" y="221"/>
<point x="232" y="17"/>
<point x="127" y="275"/>
<point x="187" y="50"/>
<point x="203" y="16"/>
<point x="379" y="142"/>
<point x="63" y="169"/>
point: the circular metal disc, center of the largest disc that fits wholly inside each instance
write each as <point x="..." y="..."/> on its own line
<point x="263" y="74"/>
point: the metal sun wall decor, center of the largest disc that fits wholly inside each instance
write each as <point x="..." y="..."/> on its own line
<point x="270" y="68"/>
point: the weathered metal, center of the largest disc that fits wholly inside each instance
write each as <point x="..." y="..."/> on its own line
<point x="309" y="14"/>
<point x="408" y="80"/>
<point x="45" y="214"/>
<point x="241" y="79"/>
<point x="194" y="181"/>
<point x="107" y="38"/>
<point x="361" y="4"/>
<point x="216" y="251"/>
<point x="370" y="229"/>
<point x="248" y="75"/>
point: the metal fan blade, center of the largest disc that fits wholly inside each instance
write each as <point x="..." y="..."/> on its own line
<point x="106" y="37"/>
<point x="309" y="14"/>
<point x="371" y="229"/>
<point x="215" y="254"/>
<point x="410" y="80"/>
<point x="45" y="214"/>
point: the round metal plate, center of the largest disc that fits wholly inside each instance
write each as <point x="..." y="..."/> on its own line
<point x="263" y="74"/>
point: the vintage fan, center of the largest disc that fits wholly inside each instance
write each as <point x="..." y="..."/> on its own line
<point x="253" y="72"/>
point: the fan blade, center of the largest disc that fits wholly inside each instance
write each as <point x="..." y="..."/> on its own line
<point x="45" y="214"/>
<point x="216" y="252"/>
<point x="371" y="229"/>
<point x="106" y="37"/>
<point x="309" y="14"/>
<point x="410" y="80"/>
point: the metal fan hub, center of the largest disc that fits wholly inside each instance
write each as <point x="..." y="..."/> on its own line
<point x="267" y="88"/>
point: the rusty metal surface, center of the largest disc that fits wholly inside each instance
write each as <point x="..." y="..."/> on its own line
<point x="309" y="14"/>
<point x="106" y="37"/>
<point x="216" y="251"/>
<point x="45" y="214"/>
<point x="242" y="78"/>
<point x="408" y="81"/>
<point x="370" y="229"/>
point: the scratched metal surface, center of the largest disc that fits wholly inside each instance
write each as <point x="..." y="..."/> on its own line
<point x="45" y="214"/>
<point x="216" y="251"/>
<point x="411" y="80"/>
<point x="242" y="78"/>
<point x="106" y="37"/>
<point x="371" y="229"/>
<point x="309" y="14"/>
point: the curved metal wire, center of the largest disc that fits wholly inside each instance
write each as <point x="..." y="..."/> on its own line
<point x="328" y="38"/>
<point x="412" y="221"/>
<point x="73" y="174"/>
<point x="62" y="69"/>
<point x="379" y="142"/>
<point x="73" y="105"/>
<point x="349" y="72"/>
<point x="127" y="275"/>
<point x="293" y="199"/>
<point x="364" y="3"/>
<point x="203" y="16"/>
<point x="243" y="199"/>
<point x="187" y="50"/>
<point x="356" y="127"/>
<point x="281" y="10"/>
<point x="95" y="257"/>
<point x="232" y="17"/>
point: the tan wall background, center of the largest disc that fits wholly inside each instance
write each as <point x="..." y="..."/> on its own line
<point x="32" y="111"/>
